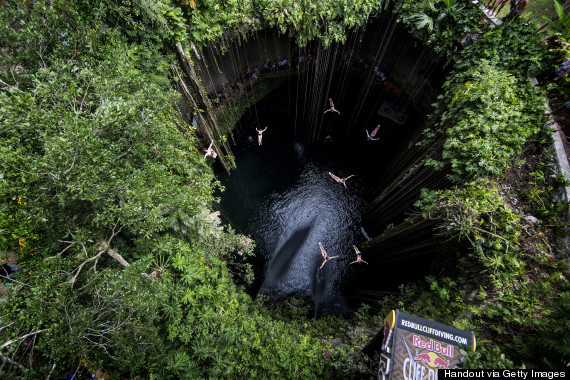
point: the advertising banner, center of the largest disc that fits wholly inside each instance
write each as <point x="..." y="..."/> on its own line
<point x="415" y="348"/>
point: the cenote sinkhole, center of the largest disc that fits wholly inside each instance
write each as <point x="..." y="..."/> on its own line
<point x="283" y="197"/>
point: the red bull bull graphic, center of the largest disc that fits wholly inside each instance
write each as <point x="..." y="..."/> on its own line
<point x="417" y="348"/>
<point x="422" y="357"/>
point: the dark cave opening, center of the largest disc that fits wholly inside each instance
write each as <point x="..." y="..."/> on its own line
<point x="282" y="195"/>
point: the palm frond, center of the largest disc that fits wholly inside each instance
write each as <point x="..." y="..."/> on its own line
<point x="421" y="20"/>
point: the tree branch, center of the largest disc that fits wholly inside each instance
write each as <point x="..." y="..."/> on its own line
<point x="104" y="247"/>
<point x="78" y="269"/>
<point x="114" y="254"/>
<point x="71" y="244"/>
<point x="9" y="87"/>
<point x="50" y="372"/>
<point x="13" y="362"/>
<point x="6" y="344"/>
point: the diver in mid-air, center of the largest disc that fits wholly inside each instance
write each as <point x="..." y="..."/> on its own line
<point x="358" y="256"/>
<point x="332" y="107"/>
<point x="260" y="135"/>
<point x="325" y="256"/>
<point x="340" y="180"/>
<point x="371" y="136"/>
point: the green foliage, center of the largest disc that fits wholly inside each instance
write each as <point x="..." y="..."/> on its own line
<point x="477" y="213"/>
<point x="515" y="47"/>
<point x="95" y="146"/>
<point x="487" y="114"/>
<point x="440" y="23"/>
<point x="327" y="21"/>
<point x="176" y="21"/>
<point x="486" y="358"/>
<point x="211" y="18"/>
<point x="98" y="173"/>
<point x="562" y="23"/>
<point x="92" y="152"/>
<point x="549" y="345"/>
<point x="507" y="275"/>
<point x="186" y="320"/>
<point x="539" y="191"/>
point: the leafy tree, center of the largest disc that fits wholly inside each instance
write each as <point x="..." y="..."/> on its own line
<point x="447" y="21"/>
<point x="327" y="20"/>
<point x="486" y="115"/>
<point x="110" y="201"/>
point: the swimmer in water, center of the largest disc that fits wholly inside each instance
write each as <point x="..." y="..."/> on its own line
<point x="358" y="256"/>
<point x="325" y="256"/>
<point x="340" y="180"/>
<point x="332" y="107"/>
<point x="373" y="134"/>
<point x="260" y="135"/>
<point x="210" y="152"/>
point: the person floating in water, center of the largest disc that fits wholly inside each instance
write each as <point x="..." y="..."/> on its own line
<point x="260" y="135"/>
<point x="210" y="152"/>
<point x="332" y="107"/>
<point x="340" y="180"/>
<point x="325" y="256"/>
<point x="373" y="134"/>
<point x="358" y="256"/>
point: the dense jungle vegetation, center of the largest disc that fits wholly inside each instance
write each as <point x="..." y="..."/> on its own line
<point x="106" y="199"/>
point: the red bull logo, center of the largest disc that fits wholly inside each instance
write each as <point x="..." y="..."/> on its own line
<point x="440" y="363"/>
<point x="433" y="346"/>
<point x="423" y="357"/>
<point x="431" y="359"/>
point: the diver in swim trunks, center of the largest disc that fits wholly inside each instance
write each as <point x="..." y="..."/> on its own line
<point x="340" y="180"/>
<point x="260" y="135"/>
<point x="358" y="257"/>
<point x="373" y="134"/>
<point x="332" y="107"/>
<point x="325" y="256"/>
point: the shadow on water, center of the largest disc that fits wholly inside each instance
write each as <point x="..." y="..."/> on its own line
<point x="305" y="207"/>
<point x="282" y="259"/>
